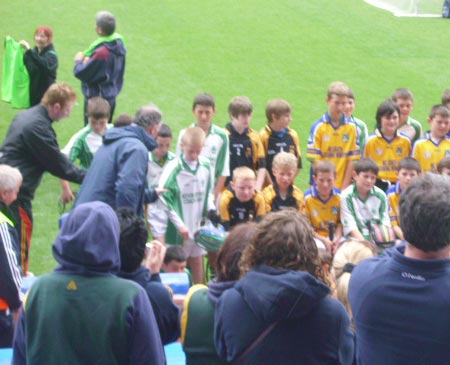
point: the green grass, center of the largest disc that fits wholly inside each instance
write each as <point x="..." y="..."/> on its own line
<point x="291" y="49"/>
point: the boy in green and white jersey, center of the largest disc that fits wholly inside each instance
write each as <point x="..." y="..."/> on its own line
<point x="216" y="148"/>
<point x="188" y="180"/>
<point x="362" y="201"/>
<point x="157" y="159"/>
<point x="83" y="145"/>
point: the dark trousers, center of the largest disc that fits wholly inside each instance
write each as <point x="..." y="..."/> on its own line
<point x="6" y="329"/>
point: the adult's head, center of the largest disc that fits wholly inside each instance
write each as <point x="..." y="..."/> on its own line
<point x="43" y="36"/>
<point x="10" y="181"/>
<point x="149" y="117"/>
<point x="105" y="23"/>
<point x="230" y="253"/>
<point x="283" y="240"/>
<point x="425" y="213"/>
<point x="133" y="237"/>
<point x="89" y="240"/>
<point x="59" y="100"/>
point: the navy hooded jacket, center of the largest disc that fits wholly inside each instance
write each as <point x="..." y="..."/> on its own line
<point x="311" y="328"/>
<point x="82" y="312"/>
<point x="118" y="173"/>
<point x="102" y="74"/>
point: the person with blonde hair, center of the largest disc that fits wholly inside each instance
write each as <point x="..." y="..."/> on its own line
<point x="280" y="312"/>
<point x="349" y="254"/>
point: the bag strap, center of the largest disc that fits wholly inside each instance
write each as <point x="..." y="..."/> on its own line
<point x="255" y="343"/>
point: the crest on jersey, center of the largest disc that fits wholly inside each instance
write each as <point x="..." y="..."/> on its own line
<point x="447" y="153"/>
<point x="379" y="151"/>
<point x="345" y="138"/>
<point x="335" y="210"/>
<point x="399" y="151"/>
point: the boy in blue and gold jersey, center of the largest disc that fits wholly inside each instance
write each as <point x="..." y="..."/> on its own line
<point x="435" y="145"/>
<point x="408" y="169"/>
<point x="323" y="205"/>
<point x="334" y="137"/>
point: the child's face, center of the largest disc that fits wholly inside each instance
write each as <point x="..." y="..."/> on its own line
<point x="174" y="266"/>
<point x="203" y="115"/>
<point x="336" y="106"/>
<point x="405" y="176"/>
<point x="406" y="107"/>
<point x="244" y="189"/>
<point x="349" y="107"/>
<point x="389" y="124"/>
<point x="98" y="125"/>
<point x="191" y="151"/>
<point x="242" y="120"/>
<point x="281" y="121"/>
<point x="163" y="147"/>
<point x="365" y="181"/>
<point x="440" y="126"/>
<point x="445" y="171"/>
<point x="284" y="177"/>
<point x="324" y="182"/>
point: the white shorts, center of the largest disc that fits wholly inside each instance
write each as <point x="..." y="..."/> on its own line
<point x="157" y="218"/>
<point x="191" y="249"/>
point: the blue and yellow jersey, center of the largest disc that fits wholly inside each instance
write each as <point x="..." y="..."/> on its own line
<point x="274" y="142"/>
<point x="387" y="153"/>
<point x="337" y="144"/>
<point x="429" y="152"/>
<point x="321" y="212"/>
<point x="393" y="194"/>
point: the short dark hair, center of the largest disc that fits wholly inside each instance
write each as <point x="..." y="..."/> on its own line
<point x="106" y="21"/>
<point x="240" y="105"/>
<point x="443" y="164"/>
<point x="446" y="97"/>
<point x="425" y="212"/>
<point x="439" y="109"/>
<point x="165" y="131"/>
<point x="409" y="163"/>
<point x="366" y="164"/>
<point x="98" y="108"/>
<point x="174" y="253"/>
<point x="402" y="93"/>
<point x="133" y="237"/>
<point x="123" y="120"/>
<point x="324" y="166"/>
<point x="205" y="100"/>
<point x="386" y="108"/>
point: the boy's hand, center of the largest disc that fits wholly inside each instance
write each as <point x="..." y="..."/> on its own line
<point x="159" y="191"/>
<point x="155" y="256"/>
<point x="184" y="232"/>
<point x="79" y="56"/>
<point x="213" y="217"/>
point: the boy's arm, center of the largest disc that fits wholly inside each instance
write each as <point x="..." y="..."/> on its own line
<point x="66" y="192"/>
<point x="261" y="175"/>
<point x="348" y="174"/>
<point x="350" y="228"/>
<point x="398" y="232"/>
<point x="219" y="186"/>
<point x="222" y="166"/>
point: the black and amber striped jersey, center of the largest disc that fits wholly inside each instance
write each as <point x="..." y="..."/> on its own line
<point x="246" y="149"/>
<point x="274" y="142"/>
<point x="233" y="211"/>
<point x="274" y="201"/>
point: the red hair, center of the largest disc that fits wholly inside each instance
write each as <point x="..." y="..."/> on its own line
<point x="47" y="31"/>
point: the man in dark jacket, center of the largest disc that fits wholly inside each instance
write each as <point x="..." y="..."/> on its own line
<point x="82" y="313"/>
<point x="102" y="66"/>
<point x="133" y="237"/>
<point x="31" y="146"/>
<point x="118" y="173"/>
<point x="400" y="300"/>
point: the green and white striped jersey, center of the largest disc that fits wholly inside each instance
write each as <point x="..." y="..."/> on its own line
<point x="355" y="211"/>
<point x="189" y="196"/>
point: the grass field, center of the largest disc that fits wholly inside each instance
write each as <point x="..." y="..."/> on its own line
<point x="264" y="49"/>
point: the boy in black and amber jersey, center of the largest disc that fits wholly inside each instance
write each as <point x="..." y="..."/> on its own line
<point x="283" y="194"/>
<point x="277" y="136"/>
<point x="246" y="148"/>
<point x="240" y="202"/>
